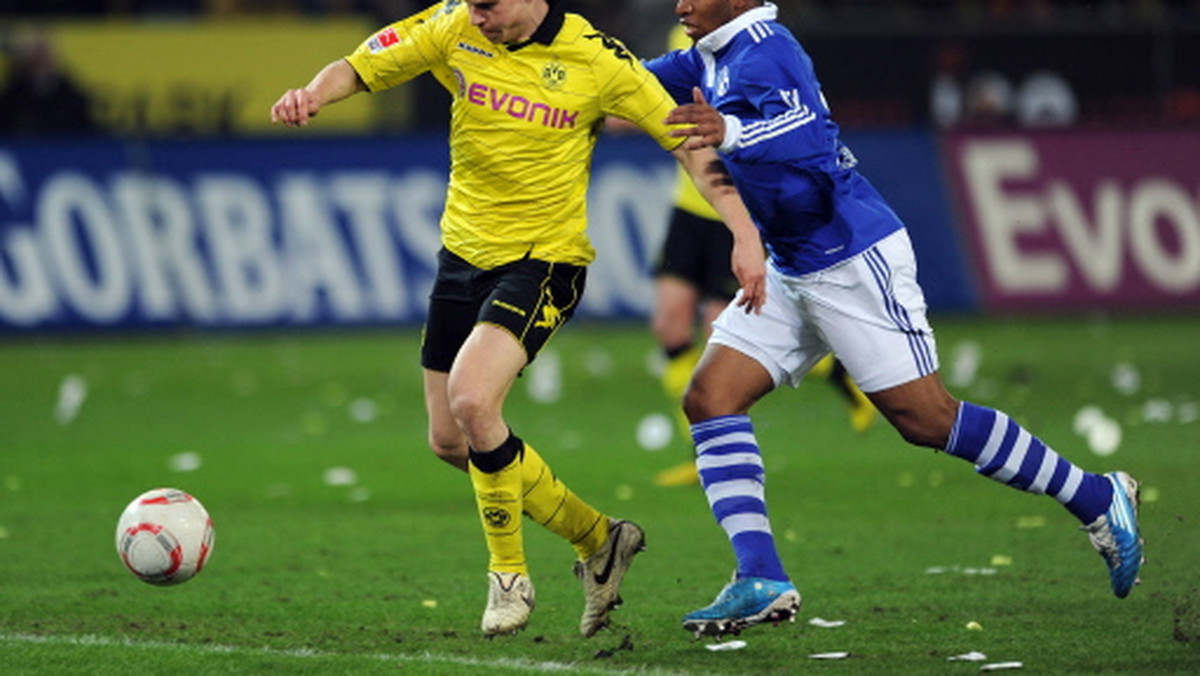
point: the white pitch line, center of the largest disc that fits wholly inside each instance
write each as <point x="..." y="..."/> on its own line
<point x="304" y="653"/>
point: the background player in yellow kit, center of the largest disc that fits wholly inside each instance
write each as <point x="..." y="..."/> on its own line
<point x="531" y="85"/>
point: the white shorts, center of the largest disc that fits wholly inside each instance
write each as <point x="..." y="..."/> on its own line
<point x="868" y="310"/>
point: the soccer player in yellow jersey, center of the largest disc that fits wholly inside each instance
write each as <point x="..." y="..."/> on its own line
<point x="531" y="85"/>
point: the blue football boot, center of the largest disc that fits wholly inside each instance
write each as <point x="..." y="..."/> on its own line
<point x="1115" y="534"/>
<point x="745" y="602"/>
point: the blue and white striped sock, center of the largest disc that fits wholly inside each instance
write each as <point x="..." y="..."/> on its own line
<point x="731" y="471"/>
<point x="1004" y="451"/>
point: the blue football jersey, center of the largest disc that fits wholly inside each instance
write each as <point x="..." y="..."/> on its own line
<point x="796" y="177"/>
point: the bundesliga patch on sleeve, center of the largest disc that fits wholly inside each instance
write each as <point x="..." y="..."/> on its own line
<point x="382" y="40"/>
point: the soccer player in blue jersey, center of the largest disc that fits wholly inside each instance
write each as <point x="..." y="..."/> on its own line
<point x="692" y="284"/>
<point x="841" y="278"/>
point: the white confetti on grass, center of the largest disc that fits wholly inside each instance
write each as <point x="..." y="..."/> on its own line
<point x="543" y="378"/>
<point x="826" y="624"/>
<point x="725" y="646"/>
<point x="187" y="461"/>
<point x="1162" y="411"/>
<point x="1085" y="418"/>
<point x="340" y="476"/>
<point x="961" y="570"/>
<point x="363" y="410"/>
<point x="72" y="392"/>
<point x="1126" y="378"/>
<point x="1157" y="411"/>
<point x="1104" y="438"/>
<point x="1103" y="433"/>
<point x="829" y="656"/>
<point x="964" y="363"/>
<point x="654" y="431"/>
<point x="999" y="666"/>
<point x="973" y="656"/>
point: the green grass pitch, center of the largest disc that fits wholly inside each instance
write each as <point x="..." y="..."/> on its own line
<point x="383" y="571"/>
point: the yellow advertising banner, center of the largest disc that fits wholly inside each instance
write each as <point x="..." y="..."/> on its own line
<point x="201" y="77"/>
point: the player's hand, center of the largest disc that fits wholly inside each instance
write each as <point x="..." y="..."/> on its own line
<point x="705" y="125"/>
<point x="749" y="266"/>
<point x="295" y="108"/>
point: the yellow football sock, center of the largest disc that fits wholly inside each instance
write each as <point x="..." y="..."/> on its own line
<point x="823" y="368"/>
<point x="862" y="411"/>
<point x="678" y="372"/>
<point x="549" y="502"/>
<point x="498" y="496"/>
<point x="683" y="474"/>
<point x="675" y="378"/>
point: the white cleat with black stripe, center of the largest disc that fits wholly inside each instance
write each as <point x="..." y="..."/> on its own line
<point x="603" y="572"/>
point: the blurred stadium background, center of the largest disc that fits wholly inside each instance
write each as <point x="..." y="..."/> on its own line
<point x="1042" y="153"/>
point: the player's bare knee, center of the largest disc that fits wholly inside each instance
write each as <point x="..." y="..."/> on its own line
<point x="672" y="330"/>
<point x="451" y="451"/>
<point x="922" y="415"/>
<point x="922" y="435"/>
<point x="446" y="450"/>
<point x="699" y="405"/>
<point x="930" y="429"/>
<point x="467" y="409"/>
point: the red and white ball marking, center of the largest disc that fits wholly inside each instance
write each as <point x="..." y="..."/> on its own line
<point x="165" y="536"/>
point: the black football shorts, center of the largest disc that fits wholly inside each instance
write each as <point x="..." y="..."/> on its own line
<point x="697" y="250"/>
<point x="529" y="298"/>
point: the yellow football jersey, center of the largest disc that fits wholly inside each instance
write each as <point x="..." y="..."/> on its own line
<point x="523" y="124"/>
<point x="687" y="195"/>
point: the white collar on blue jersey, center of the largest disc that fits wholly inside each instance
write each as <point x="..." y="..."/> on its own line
<point x="721" y="36"/>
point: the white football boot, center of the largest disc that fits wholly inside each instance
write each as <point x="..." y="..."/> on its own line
<point x="510" y="601"/>
<point x="603" y="571"/>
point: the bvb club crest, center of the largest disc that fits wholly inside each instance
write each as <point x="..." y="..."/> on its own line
<point x="554" y="74"/>
<point x="497" y="517"/>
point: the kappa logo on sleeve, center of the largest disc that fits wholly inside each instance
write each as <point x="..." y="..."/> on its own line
<point x="612" y="44"/>
<point x="382" y="40"/>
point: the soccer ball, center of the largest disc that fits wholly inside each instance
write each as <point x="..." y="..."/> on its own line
<point x="164" y="536"/>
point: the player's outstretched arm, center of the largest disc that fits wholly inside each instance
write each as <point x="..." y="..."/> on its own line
<point x="333" y="83"/>
<point x="748" y="259"/>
